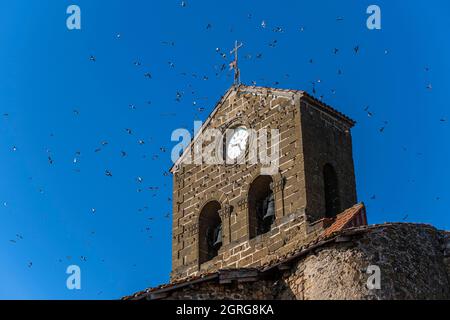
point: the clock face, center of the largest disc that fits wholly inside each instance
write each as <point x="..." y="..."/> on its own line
<point x="238" y="143"/>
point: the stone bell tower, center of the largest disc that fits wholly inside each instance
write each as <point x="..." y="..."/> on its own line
<point x="229" y="216"/>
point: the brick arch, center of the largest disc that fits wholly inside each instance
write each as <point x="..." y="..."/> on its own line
<point x="330" y="161"/>
<point x="256" y="173"/>
<point x="217" y="195"/>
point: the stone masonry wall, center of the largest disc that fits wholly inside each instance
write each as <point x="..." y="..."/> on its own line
<point x="326" y="140"/>
<point x="196" y="185"/>
<point x="410" y="258"/>
<point x="261" y="290"/>
<point x="413" y="260"/>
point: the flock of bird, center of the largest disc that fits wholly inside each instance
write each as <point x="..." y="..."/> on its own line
<point x="178" y="97"/>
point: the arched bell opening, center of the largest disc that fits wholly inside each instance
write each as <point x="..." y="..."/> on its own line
<point x="261" y="206"/>
<point x="210" y="232"/>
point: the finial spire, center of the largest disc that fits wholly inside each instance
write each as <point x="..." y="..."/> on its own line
<point x="234" y="65"/>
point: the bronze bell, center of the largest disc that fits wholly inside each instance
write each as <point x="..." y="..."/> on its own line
<point x="218" y="236"/>
<point x="270" y="212"/>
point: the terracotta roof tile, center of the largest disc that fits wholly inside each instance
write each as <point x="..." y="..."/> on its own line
<point x="352" y="217"/>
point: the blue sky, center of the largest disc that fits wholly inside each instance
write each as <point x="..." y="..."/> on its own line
<point x="55" y="102"/>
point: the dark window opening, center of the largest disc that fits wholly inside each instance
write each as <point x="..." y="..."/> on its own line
<point x="210" y="232"/>
<point x="332" y="201"/>
<point x="261" y="204"/>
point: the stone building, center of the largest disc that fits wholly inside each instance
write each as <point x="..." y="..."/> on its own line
<point x="315" y="143"/>
<point x="296" y="233"/>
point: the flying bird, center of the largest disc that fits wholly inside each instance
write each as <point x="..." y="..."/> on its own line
<point x="369" y="114"/>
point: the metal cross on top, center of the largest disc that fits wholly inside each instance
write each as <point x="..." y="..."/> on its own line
<point x="234" y="64"/>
